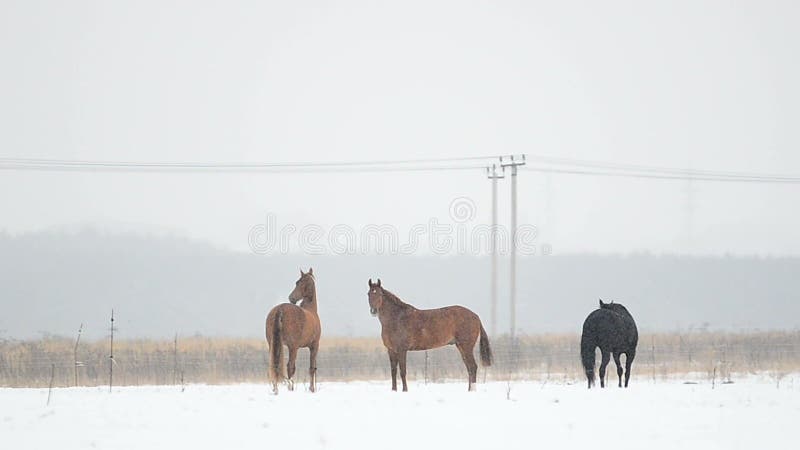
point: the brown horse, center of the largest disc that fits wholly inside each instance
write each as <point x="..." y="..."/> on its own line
<point x="405" y="328"/>
<point x="294" y="326"/>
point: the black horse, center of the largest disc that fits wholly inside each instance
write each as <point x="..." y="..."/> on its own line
<point x="613" y="329"/>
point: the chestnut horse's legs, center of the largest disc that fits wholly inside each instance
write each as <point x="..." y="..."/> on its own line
<point x="402" y="357"/>
<point x="275" y="385"/>
<point x="619" y="368"/>
<point x="603" y="363"/>
<point x="312" y="367"/>
<point x="291" y="367"/>
<point x="469" y="361"/>
<point x="393" y="365"/>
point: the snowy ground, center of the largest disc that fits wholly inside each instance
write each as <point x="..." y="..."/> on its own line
<point x="748" y="414"/>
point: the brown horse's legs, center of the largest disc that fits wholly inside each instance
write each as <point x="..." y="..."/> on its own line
<point x="274" y="380"/>
<point x="312" y="368"/>
<point x="603" y="364"/>
<point x="290" y="366"/>
<point x="472" y="366"/>
<point x="393" y="365"/>
<point x="619" y="368"/>
<point x="628" y="361"/>
<point x="402" y="357"/>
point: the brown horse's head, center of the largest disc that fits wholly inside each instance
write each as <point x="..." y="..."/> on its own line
<point x="304" y="286"/>
<point x="375" y="295"/>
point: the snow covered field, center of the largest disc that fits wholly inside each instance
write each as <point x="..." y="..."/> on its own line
<point x="748" y="414"/>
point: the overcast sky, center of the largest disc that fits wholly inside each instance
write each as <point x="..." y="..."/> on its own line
<point x="699" y="84"/>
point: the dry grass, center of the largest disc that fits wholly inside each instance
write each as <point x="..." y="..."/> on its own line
<point x="539" y="357"/>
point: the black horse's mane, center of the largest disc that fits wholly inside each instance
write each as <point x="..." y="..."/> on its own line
<point x="617" y="308"/>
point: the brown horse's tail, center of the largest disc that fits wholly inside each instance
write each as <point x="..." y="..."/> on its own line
<point x="276" y="349"/>
<point x="486" y="349"/>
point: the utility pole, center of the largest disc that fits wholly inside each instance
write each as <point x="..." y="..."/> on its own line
<point x="513" y="163"/>
<point x="689" y="208"/>
<point x="492" y="174"/>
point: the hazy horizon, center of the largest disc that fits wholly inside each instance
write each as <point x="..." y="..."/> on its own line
<point x="697" y="85"/>
<point x="160" y="286"/>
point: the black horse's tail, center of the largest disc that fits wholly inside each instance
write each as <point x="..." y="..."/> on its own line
<point x="587" y="357"/>
<point x="276" y="349"/>
<point x="486" y="349"/>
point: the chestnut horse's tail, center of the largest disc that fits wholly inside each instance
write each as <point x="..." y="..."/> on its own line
<point x="486" y="349"/>
<point x="276" y="348"/>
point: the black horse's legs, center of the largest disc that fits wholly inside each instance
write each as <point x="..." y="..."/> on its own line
<point x="603" y="364"/>
<point x="402" y="357"/>
<point x="628" y="361"/>
<point x="619" y="368"/>
<point x="290" y="366"/>
<point x="312" y="366"/>
<point x="472" y="367"/>
<point x="393" y="365"/>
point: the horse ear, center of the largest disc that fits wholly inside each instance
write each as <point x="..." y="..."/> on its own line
<point x="379" y="282"/>
<point x="301" y="272"/>
<point x="370" y="282"/>
<point x="601" y="302"/>
<point x="311" y="270"/>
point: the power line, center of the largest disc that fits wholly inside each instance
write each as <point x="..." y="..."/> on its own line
<point x="636" y="168"/>
<point x="333" y="166"/>
<point x="546" y="164"/>
<point x="276" y="170"/>
<point x="646" y="175"/>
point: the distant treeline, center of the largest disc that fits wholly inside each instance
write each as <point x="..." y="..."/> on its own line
<point x="553" y="357"/>
<point x="52" y="282"/>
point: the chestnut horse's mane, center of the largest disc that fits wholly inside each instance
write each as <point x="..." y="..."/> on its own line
<point x="395" y="299"/>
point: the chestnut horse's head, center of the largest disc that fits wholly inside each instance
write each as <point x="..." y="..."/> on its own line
<point x="304" y="286"/>
<point x="375" y="295"/>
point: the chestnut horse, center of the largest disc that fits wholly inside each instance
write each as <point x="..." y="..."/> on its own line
<point x="294" y="326"/>
<point x="405" y="328"/>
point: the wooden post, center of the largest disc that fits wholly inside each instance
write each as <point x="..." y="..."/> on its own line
<point x="426" y="367"/>
<point x="75" y="354"/>
<point x="175" y="360"/>
<point x="653" y="355"/>
<point x="111" y="356"/>
<point x="52" y="376"/>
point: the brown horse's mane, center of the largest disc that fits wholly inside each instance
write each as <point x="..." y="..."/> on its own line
<point x="387" y="295"/>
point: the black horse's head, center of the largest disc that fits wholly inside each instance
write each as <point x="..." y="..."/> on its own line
<point x="616" y="307"/>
